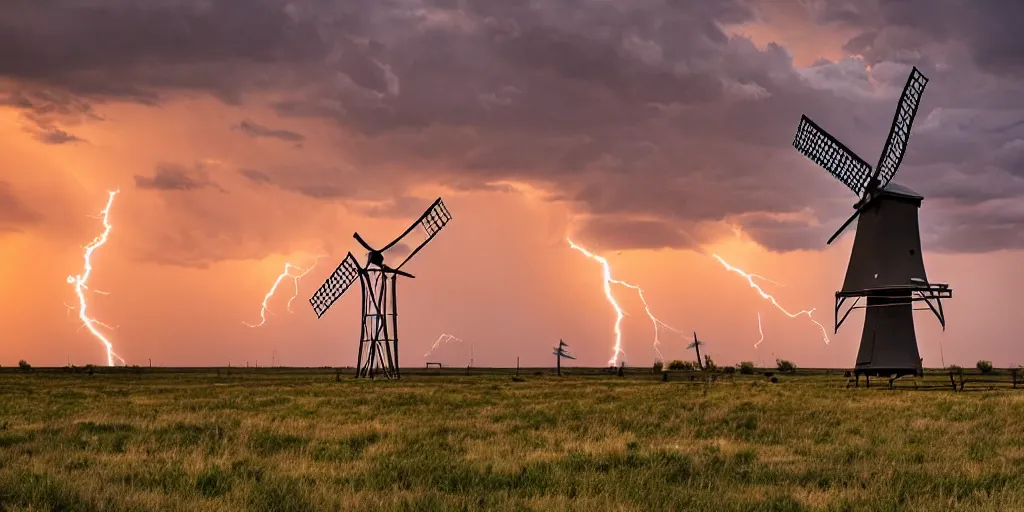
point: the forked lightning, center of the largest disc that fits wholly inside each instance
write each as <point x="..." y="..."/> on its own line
<point x="79" y="281"/>
<point x="658" y="324"/>
<point x="768" y="297"/>
<point x="442" y="340"/>
<point x="608" y="280"/>
<point x="273" y="289"/>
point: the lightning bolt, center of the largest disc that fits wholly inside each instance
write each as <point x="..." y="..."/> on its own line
<point x="273" y="289"/>
<point x="763" y="278"/>
<point x="608" y="281"/>
<point x="761" y="331"/>
<point x="654" y="320"/>
<point x="79" y="282"/>
<point x="766" y="296"/>
<point x="443" y="339"/>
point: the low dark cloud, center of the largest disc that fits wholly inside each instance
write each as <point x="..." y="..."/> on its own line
<point x="397" y="252"/>
<point x="56" y="136"/>
<point x="255" y="130"/>
<point x="628" y="110"/>
<point x="170" y="177"/>
<point x="257" y="177"/>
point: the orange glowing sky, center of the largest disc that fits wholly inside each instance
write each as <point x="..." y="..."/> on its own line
<point x="184" y="268"/>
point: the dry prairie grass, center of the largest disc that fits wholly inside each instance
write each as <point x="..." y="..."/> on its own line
<point x="274" y="441"/>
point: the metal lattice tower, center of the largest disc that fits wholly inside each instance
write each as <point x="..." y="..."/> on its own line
<point x="378" y="331"/>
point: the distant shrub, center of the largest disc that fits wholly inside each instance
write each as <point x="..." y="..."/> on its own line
<point x="729" y="370"/>
<point x="681" y="365"/>
<point x="985" y="366"/>
<point x="785" y="366"/>
<point x="23" y="364"/>
<point x="746" y="368"/>
<point x="953" y="368"/>
<point x="709" y="364"/>
<point x="775" y="380"/>
<point x="659" y="366"/>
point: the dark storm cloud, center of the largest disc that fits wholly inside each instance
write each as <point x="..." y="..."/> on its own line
<point x="169" y="177"/>
<point x="643" y="109"/>
<point x="255" y="130"/>
<point x="43" y="109"/>
<point x="14" y="215"/>
<point x="126" y="49"/>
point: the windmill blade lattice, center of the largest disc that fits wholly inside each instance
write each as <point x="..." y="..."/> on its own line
<point x="834" y="156"/>
<point x="433" y="220"/>
<point x="899" y="134"/>
<point x="335" y="286"/>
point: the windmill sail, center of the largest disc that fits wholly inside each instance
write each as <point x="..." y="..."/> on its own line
<point x="834" y="156"/>
<point x="899" y="134"/>
<point x="434" y="219"/>
<point x="335" y="286"/>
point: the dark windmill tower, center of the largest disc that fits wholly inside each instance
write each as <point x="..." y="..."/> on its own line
<point x="559" y="353"/>
<point x="885" y="267"/>
<point x="378" y="333"/>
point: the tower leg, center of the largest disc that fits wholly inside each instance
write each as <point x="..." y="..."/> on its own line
<point x="362" y="325"/>
<point x="394" y="320"/>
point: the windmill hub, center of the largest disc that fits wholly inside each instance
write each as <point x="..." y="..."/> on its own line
<point x="886" y="267"/>
<point x="375" y="258"/>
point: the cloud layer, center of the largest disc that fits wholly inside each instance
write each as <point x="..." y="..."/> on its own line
<point x="655" y="120"/>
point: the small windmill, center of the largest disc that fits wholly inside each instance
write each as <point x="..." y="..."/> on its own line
<point x="696" y="346"/>
<point x="559" y="353"/>
<point x="885" y="266"/>
<point x="378" y="332"/>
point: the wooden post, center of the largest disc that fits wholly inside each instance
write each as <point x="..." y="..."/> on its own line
<point x="558" y="362"/>
<point x="696" y="346"/>
<point x="1015" y="370"/>
<point x="952" y="381"/>
<point x="517" y="366"/>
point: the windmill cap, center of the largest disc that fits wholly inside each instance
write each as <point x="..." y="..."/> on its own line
<point x="895" y="189"/>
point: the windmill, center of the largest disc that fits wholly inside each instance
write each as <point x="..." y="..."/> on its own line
<point x="885" y="266"/>
<point x="559" y="353"/>
<point x="378" y="332"/>
<point x="696" y="346"/>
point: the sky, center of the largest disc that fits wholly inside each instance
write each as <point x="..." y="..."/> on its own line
<point x="246" y="135"/>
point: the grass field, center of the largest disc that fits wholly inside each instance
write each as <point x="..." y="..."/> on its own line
<point x="300" y="440"/>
